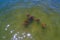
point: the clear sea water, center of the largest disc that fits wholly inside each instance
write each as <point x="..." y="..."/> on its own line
<point x="54" y="4"/>
<point x="7" y="5"/>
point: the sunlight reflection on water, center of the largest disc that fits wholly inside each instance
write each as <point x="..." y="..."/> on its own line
<point x="17" y="36"/>
<point x="11" y="31"/>
<point x="7" y="27"/>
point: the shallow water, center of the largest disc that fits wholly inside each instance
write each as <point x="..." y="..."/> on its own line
<point x="13" y="13"/>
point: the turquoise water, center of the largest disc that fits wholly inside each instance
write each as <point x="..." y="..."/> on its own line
<point x="7" y="5"/>
<point x="54" y="4"/>
<point x="9" y="21"/>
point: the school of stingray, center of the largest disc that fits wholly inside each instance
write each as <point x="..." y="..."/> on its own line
<point x="29" y="20"/>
